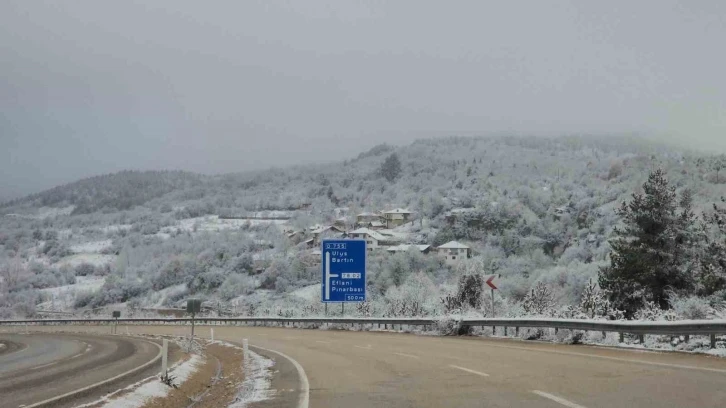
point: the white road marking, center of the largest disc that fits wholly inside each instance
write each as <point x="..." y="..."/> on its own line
<point x="45" y="365"/>
<point x="321" y="341"/>
<point x="407" y="355"/>
<point x="304" y="398"/>
<point x="368" y="347"/>
<point x="557" y="399"/>
<point x="624" y="360"/>
<point x="469" y="371"/>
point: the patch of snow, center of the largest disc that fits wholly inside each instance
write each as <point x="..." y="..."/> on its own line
<point x="91" y="247"/>
<point x="213" y="223"/>
<point x="83" y="283"/>
<point x="62" y="297"/>
<point x="116" y="228"/>
<point x="257" y="384"/>
<point x="158" y="297"/>
<point x="48" y="212"/>
<point x="149" y="390"/>
<point x="311" y="292"/>
<point x="93" y="259"/>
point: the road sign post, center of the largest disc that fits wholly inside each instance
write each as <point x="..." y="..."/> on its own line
<point x="116" y="314"/>
<point x="344" y="271"/>
<point x="194" y="306"/>
<point x="492" y="287"/>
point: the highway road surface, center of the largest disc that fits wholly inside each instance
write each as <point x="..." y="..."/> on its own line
<point x="374" y="369"/>
<point x="42" y="366"/>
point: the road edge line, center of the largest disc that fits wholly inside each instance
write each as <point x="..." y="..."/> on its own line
<point x="304" y="399"/>
<point x="101" y="383"/>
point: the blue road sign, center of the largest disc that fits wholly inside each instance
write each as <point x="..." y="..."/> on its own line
<point x="344" y="270"/>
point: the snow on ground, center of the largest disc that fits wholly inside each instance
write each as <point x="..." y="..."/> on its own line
<point x="156" y="299"/>
<point x="140" y="395"/>
<point x="94" y="259"/>
<point x="83" y="283"/>
<point x="214" y="223"/>
<point x="257" y="385"/>
<point x="272" y="214"/>
<point x="307" y="293"/>
<point x="92" y="247"/>
<point x="49" y="212"/>
<point x="116" y="228"/>
<point x="62" y="297"/>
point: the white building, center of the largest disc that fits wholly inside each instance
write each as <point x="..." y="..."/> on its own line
<point x="373" y="239"/>
<point x="454" y="251"/>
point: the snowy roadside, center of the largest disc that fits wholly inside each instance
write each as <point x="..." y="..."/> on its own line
<point x="149" y="388"/>
<point x="257" y="384"/>
<point x="236" y="381"/>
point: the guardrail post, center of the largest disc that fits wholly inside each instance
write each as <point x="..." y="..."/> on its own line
<point x="505" y="331"/>
<point x="604" y="335"/>
<point x="622" y="337"/>
<point x="713" y="341"/>
<point x="494" y="330"/>
<point x="516" y="331"/>
<point x="641" y="337"/>
<point x="556" y="330"/>
<point x="688" y="337"/>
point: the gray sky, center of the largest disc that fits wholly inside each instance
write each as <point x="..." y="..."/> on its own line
<point x="91" y="86"/>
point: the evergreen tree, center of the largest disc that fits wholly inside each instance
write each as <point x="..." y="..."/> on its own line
<point x="712" y="276"/>
<point x="539" y="301"/>
<point x="718" y="163"/>
<point x="652" y="252"/>
<point x="391" y="167"/>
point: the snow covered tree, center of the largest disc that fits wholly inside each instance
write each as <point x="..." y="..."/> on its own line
<point x="470" y="291"/>
<point x="539" y="300"/>
<point x="651" y="251"/>
<point x="718" y="163"/>
<point x="712" y="276"/>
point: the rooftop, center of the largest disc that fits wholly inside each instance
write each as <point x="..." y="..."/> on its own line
<point x="398" y="211"/>
<point x="406" y="247"/>
<point x="373" y="234"/>
<point x="453" y="245"/>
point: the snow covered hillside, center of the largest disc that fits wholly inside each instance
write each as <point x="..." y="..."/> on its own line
<point x="539" y="212"/>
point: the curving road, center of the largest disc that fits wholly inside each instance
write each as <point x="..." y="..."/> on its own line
<point x="368" y="369"/>
<point x="42" y="366"/>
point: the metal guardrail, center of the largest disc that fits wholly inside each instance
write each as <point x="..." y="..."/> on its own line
<point x="687" y="328"/>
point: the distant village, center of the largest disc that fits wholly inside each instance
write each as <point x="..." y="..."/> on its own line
<point x="382" y="231"/>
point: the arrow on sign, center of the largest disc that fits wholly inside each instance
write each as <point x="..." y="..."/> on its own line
<point x="489" y="281"/>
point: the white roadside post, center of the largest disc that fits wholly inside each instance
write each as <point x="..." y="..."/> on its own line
<point x="492" y="287"/>
<point x="164" y="357"/>
<point x="245" y="353"/>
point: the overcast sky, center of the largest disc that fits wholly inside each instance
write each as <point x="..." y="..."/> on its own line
<point x="89" y="87"/>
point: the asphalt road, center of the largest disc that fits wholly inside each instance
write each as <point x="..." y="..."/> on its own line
<point x="368" y="369"/>
<point x="43" y="366"/>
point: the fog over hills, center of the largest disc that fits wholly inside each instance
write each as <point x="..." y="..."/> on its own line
<point x="248" y="85"/>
